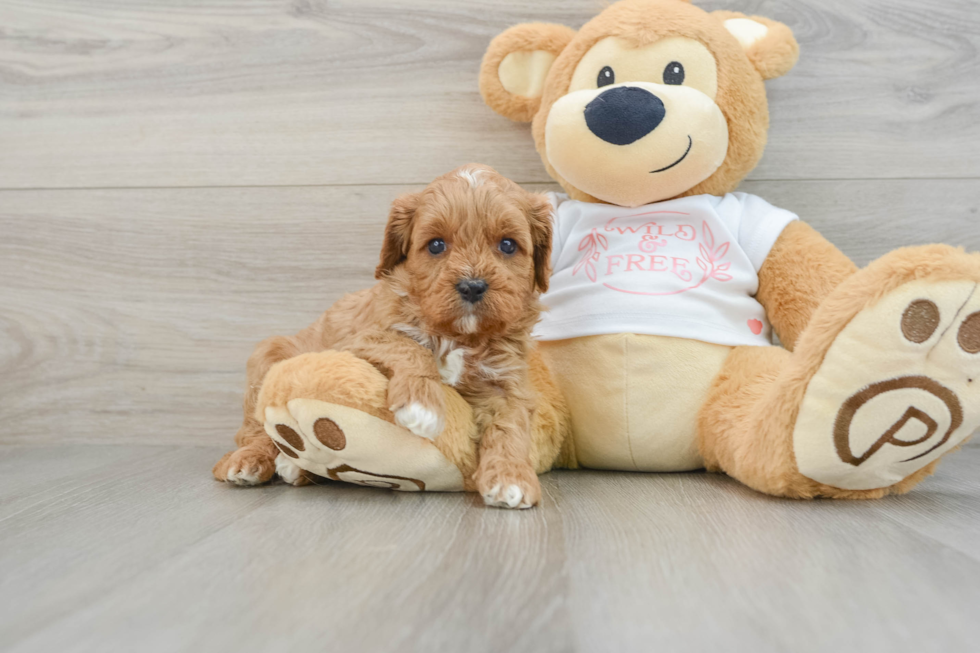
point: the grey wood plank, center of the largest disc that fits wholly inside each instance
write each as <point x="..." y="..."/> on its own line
<point x="165" y="559"/>
<point x="30" y="475"/>
<point x="127" y="315"/>
<point x="944" y="508"/>
<point x="700" y="563"/>
<point x="103" y="527"/>
<point x="149" y="554"/>
<point x="384" y="91"/>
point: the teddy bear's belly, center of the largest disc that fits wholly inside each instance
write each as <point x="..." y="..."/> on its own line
<point x="634" y="399"/>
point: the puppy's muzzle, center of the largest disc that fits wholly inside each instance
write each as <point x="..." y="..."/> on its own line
<point x="471" y="290"/>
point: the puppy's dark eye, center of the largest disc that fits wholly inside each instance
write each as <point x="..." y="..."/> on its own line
<point x="674" y="73"/>
<point x="437" y="246"/>
<point x="606" y="77"/>
<point x="507" y="246"/>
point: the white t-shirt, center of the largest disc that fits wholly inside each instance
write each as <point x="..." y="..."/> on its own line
<point x="686" y="267"/>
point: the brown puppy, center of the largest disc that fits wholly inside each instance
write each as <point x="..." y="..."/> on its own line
<point x="461" y="268"/>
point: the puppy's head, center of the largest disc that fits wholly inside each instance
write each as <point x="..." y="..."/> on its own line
<point x="472" y="251"/>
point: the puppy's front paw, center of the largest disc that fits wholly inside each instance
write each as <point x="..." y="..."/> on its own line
<point x="511" y="496"/>
<point x="516" y="489"/>
<point x="418" y="404"/>
<point x="420" y="420"/>
<point x="290" y="472"/>
<point x="245" y="466"/>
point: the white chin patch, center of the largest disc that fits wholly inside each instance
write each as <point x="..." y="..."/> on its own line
<point x="468" y="324"/>
<point x="419" y="420"/>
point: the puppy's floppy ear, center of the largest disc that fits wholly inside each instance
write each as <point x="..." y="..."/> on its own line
<point x="516" y="65"/>
<point x="769" y="45"/>
<point x="398" y="233"/>
<point x="539" y="214"/>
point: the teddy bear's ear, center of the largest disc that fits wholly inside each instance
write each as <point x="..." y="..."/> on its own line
<point x="515" y="67"/>
<point x="769" y="44"/>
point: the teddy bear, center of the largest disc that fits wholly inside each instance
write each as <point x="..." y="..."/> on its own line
<point x="667" y="285"/>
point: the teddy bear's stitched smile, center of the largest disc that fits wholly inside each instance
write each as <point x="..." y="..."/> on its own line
<point x="690" y="144"/>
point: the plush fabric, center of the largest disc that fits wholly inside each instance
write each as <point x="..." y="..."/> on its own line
<point x="747" y="424"/>
<point x="615" y="387"/>
<point x="889" y="353"/>
<point x="879" y="373"/>
<point x="364" y="446"/>
<point x="533" y="38"/>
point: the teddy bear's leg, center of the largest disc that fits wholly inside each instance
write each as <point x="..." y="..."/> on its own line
<point x="883" y="381"/>
<point x="326" y="413"/>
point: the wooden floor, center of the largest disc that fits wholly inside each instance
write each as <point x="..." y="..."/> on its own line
<point x="134" y="548"/>
<point x="179" y="180"/>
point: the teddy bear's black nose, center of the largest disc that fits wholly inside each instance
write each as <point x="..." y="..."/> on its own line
<point x="624" y="114"/>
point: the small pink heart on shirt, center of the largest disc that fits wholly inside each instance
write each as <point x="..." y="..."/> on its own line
<point x="755" y="326"/>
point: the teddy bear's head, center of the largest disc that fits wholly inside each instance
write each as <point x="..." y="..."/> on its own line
<point x="650" y="100"/>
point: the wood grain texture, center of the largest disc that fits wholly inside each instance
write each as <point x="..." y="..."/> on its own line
<point x="127" y="315"/>
<point x="137" y="549"/>
<point x="270" y="92"/>
<point x="225" y="169"/>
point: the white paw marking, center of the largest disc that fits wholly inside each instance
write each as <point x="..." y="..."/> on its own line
<point x="241" y="477"/>
<point x="451" y="367"/>
<point x="511" y="496"/>
<point x="419" y="420"/>
<point x="288" y="470"/>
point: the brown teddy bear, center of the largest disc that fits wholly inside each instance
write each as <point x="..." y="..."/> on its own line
<point x="667" y="284"/>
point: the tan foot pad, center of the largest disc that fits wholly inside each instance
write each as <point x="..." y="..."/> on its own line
<point x="345" y="444"/>
<point x="899" y="388"/>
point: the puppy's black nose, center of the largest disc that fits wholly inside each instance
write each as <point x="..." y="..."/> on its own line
<point x="624" y="114"/>
<point x="471" y="290"/>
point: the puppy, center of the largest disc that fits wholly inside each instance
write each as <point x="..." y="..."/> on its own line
<point x="462" y="266"/>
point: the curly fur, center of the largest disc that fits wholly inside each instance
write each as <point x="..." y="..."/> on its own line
<point x="414" y="316"/>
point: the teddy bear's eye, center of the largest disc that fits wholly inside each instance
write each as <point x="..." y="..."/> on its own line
<point x="674" y="73"/>
<point x="606" y="77"/>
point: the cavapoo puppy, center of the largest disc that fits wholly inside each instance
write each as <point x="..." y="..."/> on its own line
<point x="462" y="265"/>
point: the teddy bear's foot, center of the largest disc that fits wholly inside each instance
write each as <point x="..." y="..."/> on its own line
<point x="898" y="388"/>
<point x="346" y="444"/>
<point x="325" y="413"/>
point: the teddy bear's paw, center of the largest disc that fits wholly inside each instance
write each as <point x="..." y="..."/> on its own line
<point x="517" y="488"/>
<point x="245" y="467"/>
<point x="898" y="388"/>
<point x="342" y="443"/>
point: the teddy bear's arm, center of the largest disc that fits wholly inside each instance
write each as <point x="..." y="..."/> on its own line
<point x="800" y="271"/>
